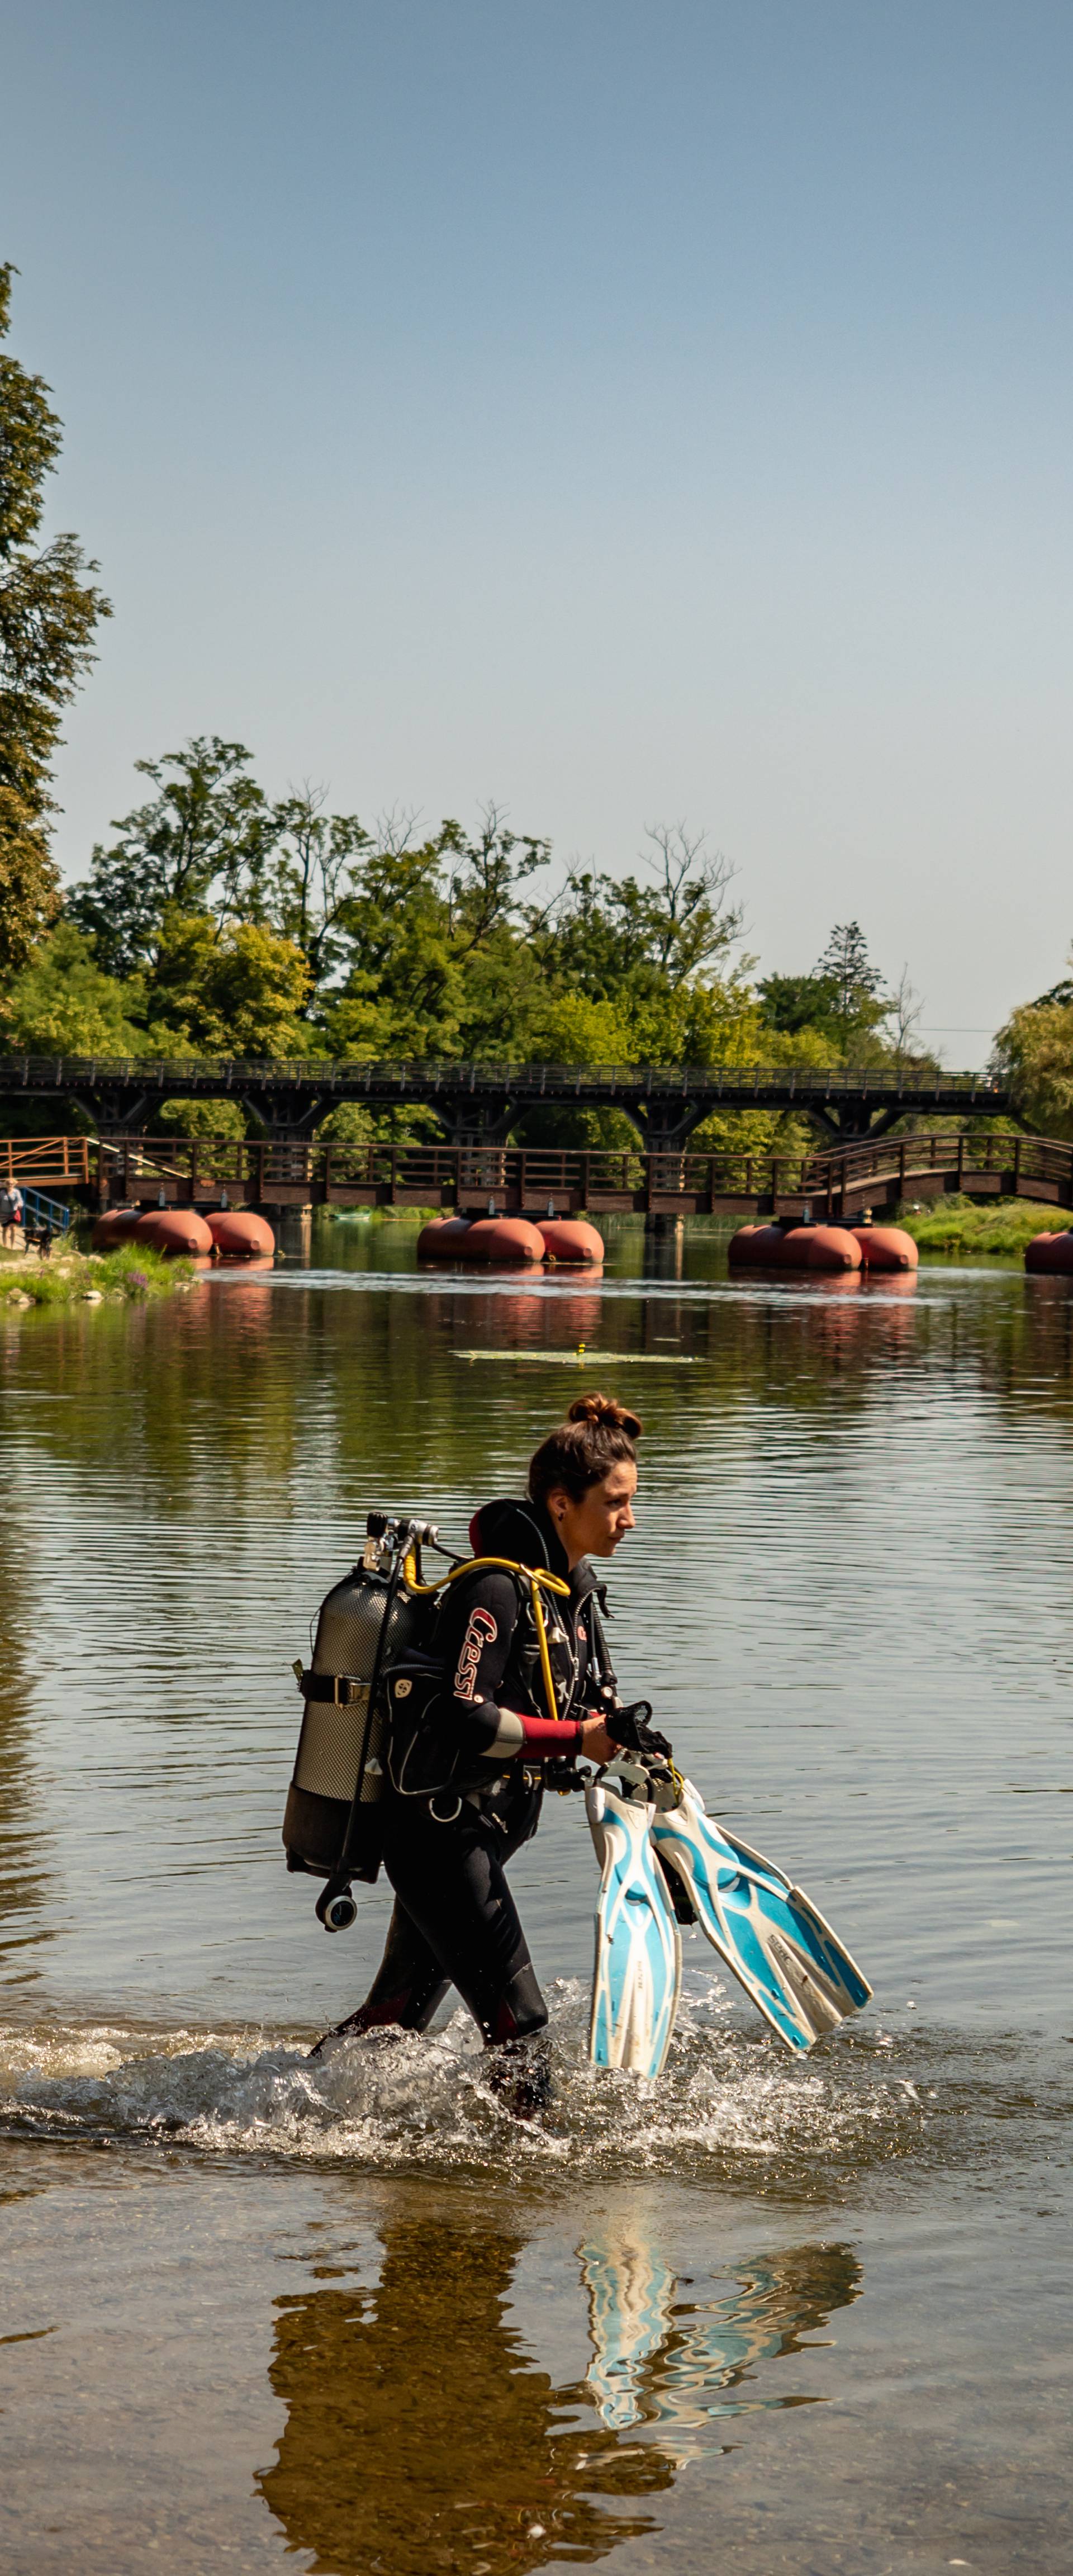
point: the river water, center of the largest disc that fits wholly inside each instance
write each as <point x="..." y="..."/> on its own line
<point x="764" y="2315"/>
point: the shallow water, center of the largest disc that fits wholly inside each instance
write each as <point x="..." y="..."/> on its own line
<point x="802" y="2316"/>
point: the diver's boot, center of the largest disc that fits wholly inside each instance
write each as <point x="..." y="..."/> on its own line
<point x="365" y="2022"/>
<point x="519" y="2073"/>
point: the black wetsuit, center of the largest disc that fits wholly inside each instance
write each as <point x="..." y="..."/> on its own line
<point x="455" y="1922"/>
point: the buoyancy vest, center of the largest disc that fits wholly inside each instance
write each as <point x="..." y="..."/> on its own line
<point x="383" y="1709"/>
<point x="502" y="1644"/>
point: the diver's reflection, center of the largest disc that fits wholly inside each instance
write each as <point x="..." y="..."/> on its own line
<point x="420" y="2436"/>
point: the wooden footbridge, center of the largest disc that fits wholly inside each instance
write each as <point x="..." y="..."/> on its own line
<point x="664" y="1103"/>
<point x="155" y="1171"/>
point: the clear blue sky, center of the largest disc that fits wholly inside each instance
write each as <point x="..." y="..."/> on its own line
<point x="624" y="409"/>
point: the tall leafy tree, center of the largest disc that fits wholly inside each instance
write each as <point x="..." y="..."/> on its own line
<point x="437" y="965"/>
<point x="237" y="991"/>
<point x="61" y="1004"/>
<point x="1035" y="1050"/>
<point x="484" y="873"/>
<point x="791" y="1003"/>
<point x="203" y="843"/>
<point x="49" y="612"/>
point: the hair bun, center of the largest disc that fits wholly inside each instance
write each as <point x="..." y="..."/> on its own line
<point x="607" y="1411"/>
<point x="598" y="1434"/>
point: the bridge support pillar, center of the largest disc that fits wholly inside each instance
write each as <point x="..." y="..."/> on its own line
<point x="293" y="1229"/>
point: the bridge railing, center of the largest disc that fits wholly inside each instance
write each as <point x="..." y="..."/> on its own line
<point x="137" y="1163"/>
<point x="232" y="1161"/>
<point x="538" y="1177"/>
<point x="28" y="1159"/>
<point x="356" y="1074"/>
<point x="1018" y="1158"/>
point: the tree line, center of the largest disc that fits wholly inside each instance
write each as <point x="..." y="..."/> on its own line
<point x="216" y="919"/>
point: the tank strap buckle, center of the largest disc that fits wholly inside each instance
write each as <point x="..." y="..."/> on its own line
<point x="341" y="1690"/>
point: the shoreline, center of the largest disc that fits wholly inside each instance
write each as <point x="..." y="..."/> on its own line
<point x="123" y="1277"/>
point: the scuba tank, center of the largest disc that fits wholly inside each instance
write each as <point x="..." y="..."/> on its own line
<point x="371" y="1691"/>
<point x="331" y="1827"/>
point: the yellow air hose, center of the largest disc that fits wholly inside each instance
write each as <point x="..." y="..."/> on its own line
<point x="537" y="1578"/>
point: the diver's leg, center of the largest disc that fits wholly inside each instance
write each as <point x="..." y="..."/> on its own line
<point x="451" y="1880"/>
<point x="455" y="1923"/>
<point x="408" y="1988"/>
<point x="409" y="1985"/>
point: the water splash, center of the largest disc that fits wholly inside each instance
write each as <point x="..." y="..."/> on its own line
<point x="725" y="2107"/>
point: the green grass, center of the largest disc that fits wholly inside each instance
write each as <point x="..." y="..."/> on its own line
<point x="1002" y="1227"/>
<point x="131" y="1273"/>
<point x="381" y="1215"/>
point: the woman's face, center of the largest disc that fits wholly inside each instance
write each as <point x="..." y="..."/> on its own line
<point x="594" y="1526"/>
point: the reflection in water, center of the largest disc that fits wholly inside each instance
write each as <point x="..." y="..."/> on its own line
<point x="516" y="1322"/>
<point x="417" y="2428"/>
<point x="658" y="2360"/>
<point x="25" y="1838"/>
<point x="665" y="1249"/>
<point x="420" y="2436"/>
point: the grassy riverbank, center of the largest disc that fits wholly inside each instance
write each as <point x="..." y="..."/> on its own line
<point x="957" y="1224"/>
<point x="74" y="1278"/>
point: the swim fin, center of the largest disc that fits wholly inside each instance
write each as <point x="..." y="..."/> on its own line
<point x="765" y="1930"/>
<point x="638" y="1947"/>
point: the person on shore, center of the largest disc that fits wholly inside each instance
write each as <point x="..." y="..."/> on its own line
<point x="454" y="1920"/>
<point x="18" y="1212"/>
<point x="7" y="1217"/>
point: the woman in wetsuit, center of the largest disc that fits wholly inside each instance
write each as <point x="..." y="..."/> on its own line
<point x="454" y="1920"/>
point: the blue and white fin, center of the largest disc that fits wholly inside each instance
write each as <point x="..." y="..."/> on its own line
<point x="638" y="1948"/>
<point x="766" y="1931"/>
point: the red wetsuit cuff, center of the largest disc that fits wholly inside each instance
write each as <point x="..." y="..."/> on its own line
<point x="550" y="1735"/>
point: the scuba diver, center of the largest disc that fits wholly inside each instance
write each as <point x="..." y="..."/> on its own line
<point x="445" y="1851"/>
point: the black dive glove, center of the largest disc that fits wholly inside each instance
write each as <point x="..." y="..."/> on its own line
<point x="630" y="1730"/>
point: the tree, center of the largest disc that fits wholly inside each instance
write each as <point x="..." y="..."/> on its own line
<point x="311" y="878"/>
<point x="483" y="877"/>
<point x="203" y="843"/>
<point x="402" y="991"/>
<point x="610" y="933"/>
<point x="904" y="1009"/>
<point x="1035" y="1050"/>
<point x="438" y="966"/>
<point x="61" y="1004"/>
<point x="860" y="1003"/>
<point x="238" y="990"/>
<point x="48" y="616"/>
<point x="791" y="1003"/>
